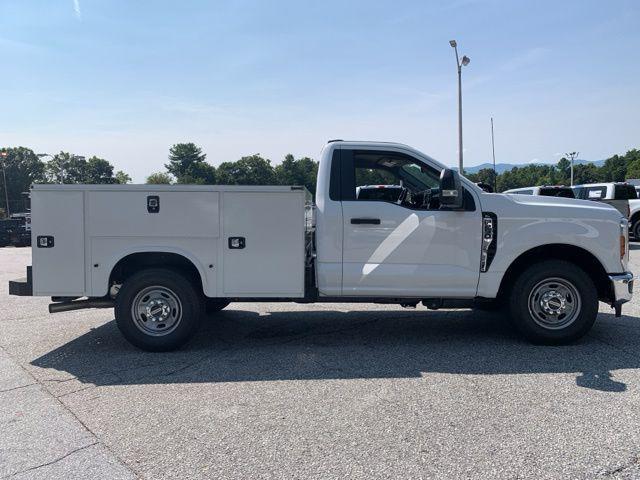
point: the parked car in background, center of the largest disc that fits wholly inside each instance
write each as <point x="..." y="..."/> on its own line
<point x="22" y="234"/>
<point x="6" y="227"/>
<point x="388" y="193"/>
<point x="13" y="231"/>
<point x="544" y="190"/>
<point x="634" y="219"/>
<point x="617" y="194"/>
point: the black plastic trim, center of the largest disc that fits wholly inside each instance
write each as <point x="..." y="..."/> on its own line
<point x="365" y="221"/>
<point x="334" y="177"/>
<point x="493" y="246"/>
<point x="22" y="287"/>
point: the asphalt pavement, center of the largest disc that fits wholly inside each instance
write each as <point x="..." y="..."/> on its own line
<point x="315" y="391"/>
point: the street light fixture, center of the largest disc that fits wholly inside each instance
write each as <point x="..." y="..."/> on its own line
<point x="459" y="64"/>
<point x="572" y="156"/>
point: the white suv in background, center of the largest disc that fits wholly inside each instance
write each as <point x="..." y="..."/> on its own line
<point x="617" y="194"/>
<point x="544" y="190"/>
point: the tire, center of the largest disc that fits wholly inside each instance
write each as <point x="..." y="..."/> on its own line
<point x="553" y="302"/>
<point x="213" y="305"/>
<point x="635" y="231"/>
<point x="158" y="310"/>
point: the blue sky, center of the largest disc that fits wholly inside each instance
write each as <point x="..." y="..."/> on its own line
<point x="126" y="79"/>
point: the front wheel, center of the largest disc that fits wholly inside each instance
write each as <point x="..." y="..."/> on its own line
<point x="553" y="302"/>
<point x="158" y="310"/>
<point x="635" y="231"/>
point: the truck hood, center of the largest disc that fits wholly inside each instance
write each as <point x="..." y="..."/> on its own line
<point x="548" y="206"/>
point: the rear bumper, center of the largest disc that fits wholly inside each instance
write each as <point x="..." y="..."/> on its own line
<point x="622" y="289"/>
<point x="23" y="286"/>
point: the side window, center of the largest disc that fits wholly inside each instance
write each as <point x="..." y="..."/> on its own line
<point x="395" y="178"/>
<point x="595" y="193"/>
<point x="624" y="192"/>
<point x="565" y="193"/>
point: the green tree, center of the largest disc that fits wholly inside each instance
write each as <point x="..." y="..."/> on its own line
<point x="97" y="170"/>
<point x="66" y="167"/>
<point x="122" y="177"/>
<point x="159" y="178"/>
<point x="486" y="175"/>
<point x="301" y="171"/>
<point x="251" y="170"/>
<point x="564" y="172"/>
<point x="586" y="173"/>
<point x="632" y="159"/>
<point x="187" y="164"/>
<point x="614" y="169"/>
<point x="22" y="168"/>
<point x="55" y="169"/>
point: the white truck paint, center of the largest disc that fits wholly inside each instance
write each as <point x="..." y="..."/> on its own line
<point x="445" y="242"/>
<point x="96" y="226"/>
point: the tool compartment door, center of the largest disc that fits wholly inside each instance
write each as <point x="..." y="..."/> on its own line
<point x="263" y="244"/>
<point x="58" y="248"/>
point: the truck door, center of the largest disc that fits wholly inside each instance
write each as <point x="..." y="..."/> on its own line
<point x="396" y="240"/>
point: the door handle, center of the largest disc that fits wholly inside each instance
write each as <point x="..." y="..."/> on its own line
<point x="365" y="221"/>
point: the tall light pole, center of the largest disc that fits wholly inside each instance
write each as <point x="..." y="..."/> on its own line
<point x="4" y="156"/>
<point x="572" y="155"/>
<point x="460" y="62"/>
<point x="493" y="153"/>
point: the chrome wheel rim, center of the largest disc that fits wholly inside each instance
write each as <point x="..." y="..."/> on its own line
<point x="156" y="311"/>
<point x="554" y="303"/>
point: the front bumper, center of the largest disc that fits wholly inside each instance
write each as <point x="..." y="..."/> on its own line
<point x="622" y="289"/>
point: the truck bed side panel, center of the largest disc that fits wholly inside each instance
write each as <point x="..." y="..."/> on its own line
<point x="58" y="270"/>
<point x="119" y="224"/>
<point x="271" y="263"/>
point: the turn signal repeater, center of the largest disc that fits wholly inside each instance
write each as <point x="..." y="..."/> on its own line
<point x="489" y="240"/>
<point x="624" y="235"/>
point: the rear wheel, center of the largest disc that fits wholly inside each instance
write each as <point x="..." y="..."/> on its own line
<point x="158" y="309"/>
<point x="553" y="302"/>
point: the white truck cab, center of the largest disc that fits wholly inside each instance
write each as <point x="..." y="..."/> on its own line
<point x="441" y="241"/>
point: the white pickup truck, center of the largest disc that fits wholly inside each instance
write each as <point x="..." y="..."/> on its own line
<point x="163" y="255"/>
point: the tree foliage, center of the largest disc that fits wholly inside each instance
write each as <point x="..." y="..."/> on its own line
<point x="159" y="178"/>
<point x="251" y="170"/>
<point x="122" y="177"/>
<point x="301" y="171"/>
<point x="615" y="169"/>
<point x="187" y="164"/>
<point x="22" y="168"/>
<point x="66" y="167"/>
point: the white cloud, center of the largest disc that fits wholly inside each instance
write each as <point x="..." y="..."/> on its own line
<point x="76" y="9"/>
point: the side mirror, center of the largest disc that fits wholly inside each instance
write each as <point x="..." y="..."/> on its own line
<point x="451" y="193"/>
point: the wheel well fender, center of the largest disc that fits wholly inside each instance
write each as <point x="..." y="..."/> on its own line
<point x="571" y="253"/>
<point x="133" y="262"/>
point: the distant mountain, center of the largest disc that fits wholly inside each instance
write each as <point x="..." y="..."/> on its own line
<point x="505" y="167"/>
